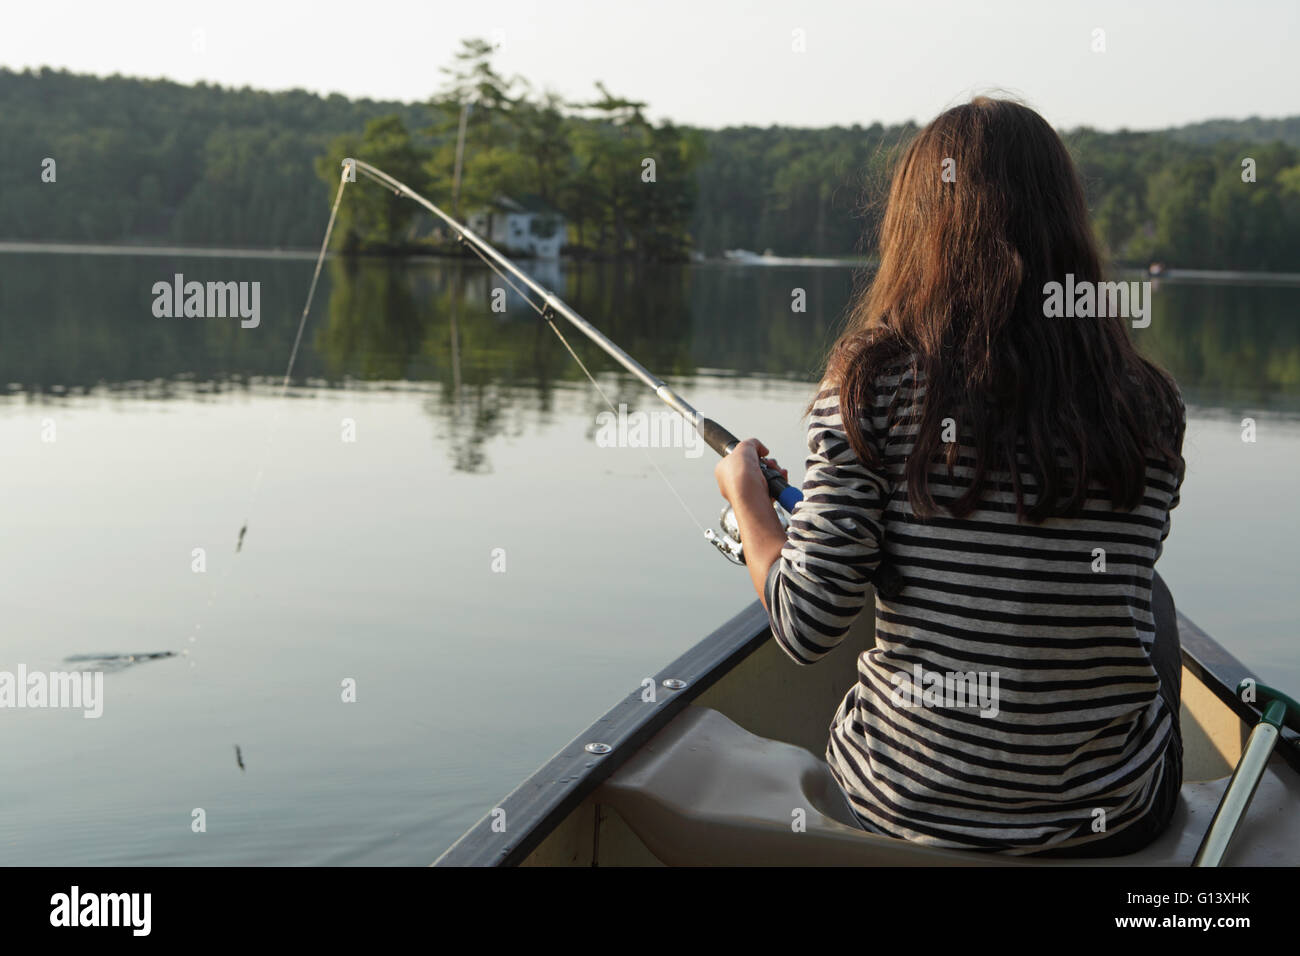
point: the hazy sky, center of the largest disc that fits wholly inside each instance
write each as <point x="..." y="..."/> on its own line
<point x="715" y="62"/>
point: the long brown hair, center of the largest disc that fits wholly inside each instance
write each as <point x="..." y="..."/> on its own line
<point x="984" y="209"/>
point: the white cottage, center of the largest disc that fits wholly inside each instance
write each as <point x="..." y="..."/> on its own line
<point x="526" y="227"/>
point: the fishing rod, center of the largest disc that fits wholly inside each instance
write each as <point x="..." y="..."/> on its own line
<point x="728" y="542"/>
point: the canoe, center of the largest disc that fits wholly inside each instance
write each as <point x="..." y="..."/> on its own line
<point x="714" y="769"/>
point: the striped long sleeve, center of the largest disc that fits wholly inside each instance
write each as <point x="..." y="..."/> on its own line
<point x="819" y="585"/>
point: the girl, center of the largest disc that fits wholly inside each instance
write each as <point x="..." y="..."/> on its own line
<point x="1005" y="479"/>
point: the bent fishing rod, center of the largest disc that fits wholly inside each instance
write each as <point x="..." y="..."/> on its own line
<point x="715" y="436"/>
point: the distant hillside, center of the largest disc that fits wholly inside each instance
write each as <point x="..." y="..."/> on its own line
<point x="1154" y="196"/>
<point x="150" y="160"/>
<point x="1253" y="130"/>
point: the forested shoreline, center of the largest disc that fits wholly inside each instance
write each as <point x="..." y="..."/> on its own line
<point x="154" y="161"/>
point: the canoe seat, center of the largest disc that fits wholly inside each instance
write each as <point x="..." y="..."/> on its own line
<point x="705" y="791"/>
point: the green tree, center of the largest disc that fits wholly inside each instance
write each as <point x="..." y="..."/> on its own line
<point x="371" y="215"/>
<point x="473" y="101"/>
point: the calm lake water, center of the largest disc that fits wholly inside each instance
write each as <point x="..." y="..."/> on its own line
<point x="370" y="562"/>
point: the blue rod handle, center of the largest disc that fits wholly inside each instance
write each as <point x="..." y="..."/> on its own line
<point x="786" y="494"/>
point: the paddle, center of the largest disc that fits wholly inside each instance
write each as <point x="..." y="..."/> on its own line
<point x="1279" y="711"/>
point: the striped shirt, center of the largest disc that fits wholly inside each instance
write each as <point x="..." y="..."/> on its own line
<point x="1009" y="703"/>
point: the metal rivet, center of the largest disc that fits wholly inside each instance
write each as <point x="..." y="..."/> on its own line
<point x="672" y="683"/>
<point x="598" y="748"/>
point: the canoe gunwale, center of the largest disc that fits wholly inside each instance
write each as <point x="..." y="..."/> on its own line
<point x="1221" y="672"/>
<point x="547" y="796"/>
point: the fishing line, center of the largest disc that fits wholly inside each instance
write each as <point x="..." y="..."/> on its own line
<point x="315" y="277"/>
<point x="545" y="313"/>
<point x="714" y="435"/>
<point x="671" y="487"/>
<point x="293" y="353"/>
<point x="275" y="418"/>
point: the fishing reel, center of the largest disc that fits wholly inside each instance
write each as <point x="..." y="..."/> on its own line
<point x="728" y="542"/>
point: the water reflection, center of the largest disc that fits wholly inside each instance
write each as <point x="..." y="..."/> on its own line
<point x="374" y="567"/>
<point x="72" y="323"/>
<point x="111" y="663"/>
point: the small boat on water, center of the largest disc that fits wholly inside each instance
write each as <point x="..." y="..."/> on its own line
<point x="711" y="771"/>
<point x="770" y="258"/>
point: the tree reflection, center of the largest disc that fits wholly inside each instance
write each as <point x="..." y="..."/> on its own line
<point x="75" y="323"/>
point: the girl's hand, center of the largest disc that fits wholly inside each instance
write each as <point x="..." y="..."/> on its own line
<point x="741" y="481"/>
<point x="739" y="476"/>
